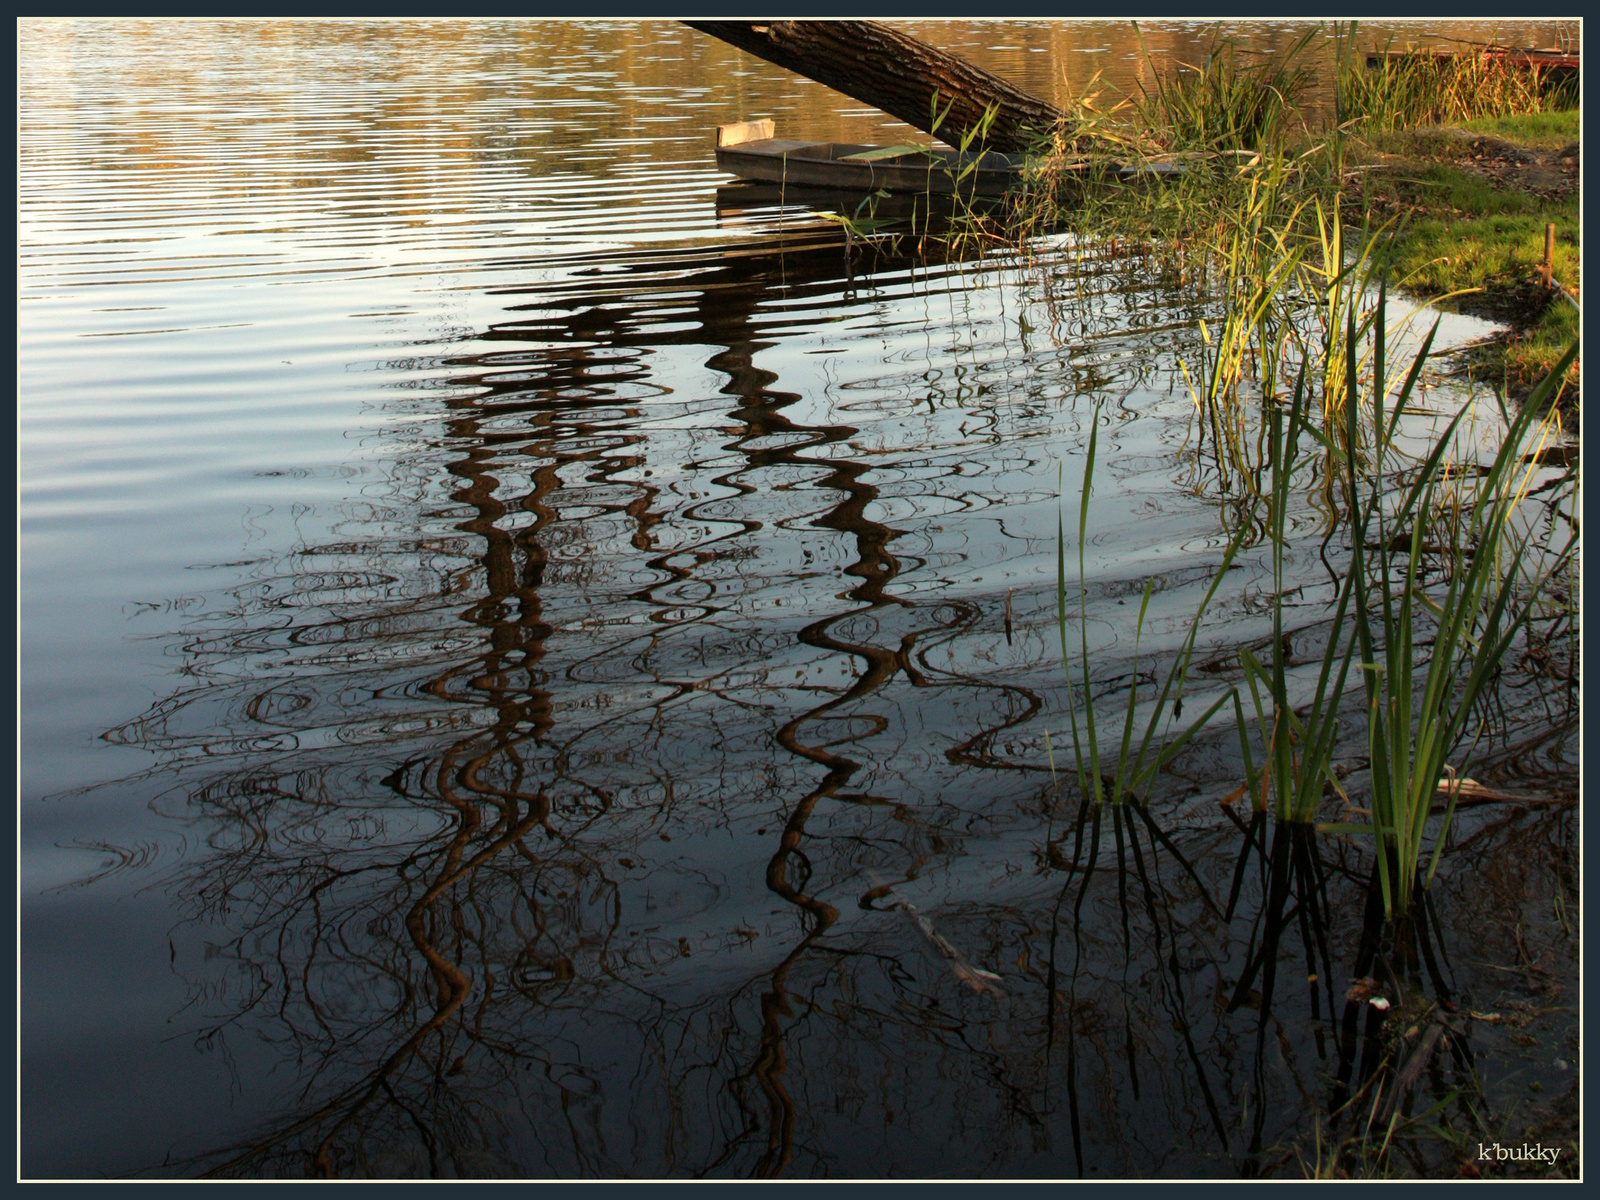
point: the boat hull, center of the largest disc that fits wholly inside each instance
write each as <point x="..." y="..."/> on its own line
<point x="845" y="167"/>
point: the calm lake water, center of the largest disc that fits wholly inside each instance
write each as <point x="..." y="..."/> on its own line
<point x="537" y="661"/>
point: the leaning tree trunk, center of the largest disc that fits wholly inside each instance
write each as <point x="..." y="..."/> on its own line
<point x="883" y="67"/>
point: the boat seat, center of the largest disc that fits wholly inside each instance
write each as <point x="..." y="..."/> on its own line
<point x="879" y="153"/>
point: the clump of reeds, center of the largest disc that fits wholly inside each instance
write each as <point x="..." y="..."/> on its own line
<point x="1412" y="88"/>
<point x="1439" y="583"/>
<point x="1428" y="660"/>
<point x="1211" y="147"/>
<point x="1224" y="105"/>
<point x="1425" y="620"/>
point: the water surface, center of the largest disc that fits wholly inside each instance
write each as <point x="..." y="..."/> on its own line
<point x="537" y="661"/>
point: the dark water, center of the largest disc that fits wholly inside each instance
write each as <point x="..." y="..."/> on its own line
<point x="538" y="662"/>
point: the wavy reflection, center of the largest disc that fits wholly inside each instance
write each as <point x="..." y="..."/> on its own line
<point x="642" y="788"/>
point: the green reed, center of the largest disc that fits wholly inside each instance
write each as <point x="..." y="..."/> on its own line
<point x="1138" y="759"/>
<point x="1285" y="304"/>
<point x="1455" y="521"/>
<point x="1414" y="88"/>
<point x="1281" y="303"/>
<point x="1299" y="742"/>
<point x="1420" y="696"/>
<point x="1223" y="105"/>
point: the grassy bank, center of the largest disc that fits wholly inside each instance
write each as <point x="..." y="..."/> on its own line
<point x="1462" y="207"/>
<point x="1474" y="156"/>
<point x="1471" y="206"/>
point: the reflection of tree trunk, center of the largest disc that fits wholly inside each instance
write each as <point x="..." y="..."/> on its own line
<point x="454" y="918"/>
<point x="887" y="69"/>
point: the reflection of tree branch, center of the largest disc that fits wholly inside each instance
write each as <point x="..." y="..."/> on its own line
<point x="453" y="982"/>
<point x="436" y="832"/>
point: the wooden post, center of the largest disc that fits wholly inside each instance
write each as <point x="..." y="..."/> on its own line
<point x="887" y="69"/>
<point x="1548" y="268"/>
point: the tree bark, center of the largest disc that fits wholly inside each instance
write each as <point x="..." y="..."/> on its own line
<point x="883" y="67"/>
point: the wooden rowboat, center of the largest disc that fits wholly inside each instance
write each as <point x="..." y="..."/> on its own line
<point x="750" y="151"/>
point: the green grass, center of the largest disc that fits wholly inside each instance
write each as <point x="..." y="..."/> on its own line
<point x="1451" y="243"/>
<point x="1538" y="131"/>
<point x="1535" y="351"/>
<point x="1461" y="234"/>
